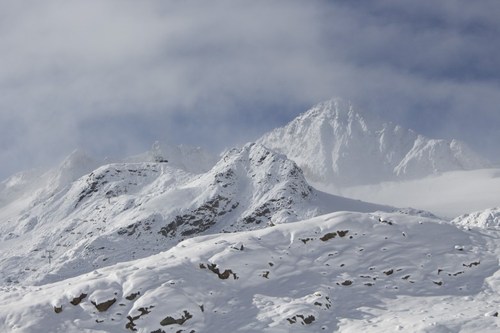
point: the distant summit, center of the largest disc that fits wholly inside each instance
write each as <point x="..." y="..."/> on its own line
<point x="335" y="144"/>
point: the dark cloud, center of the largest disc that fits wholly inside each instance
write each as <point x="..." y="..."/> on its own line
<point x="113" y="76"/>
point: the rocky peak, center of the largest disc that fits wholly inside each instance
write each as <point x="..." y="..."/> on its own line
<point x="255" y="158"/>
<point x="335" y="144"/>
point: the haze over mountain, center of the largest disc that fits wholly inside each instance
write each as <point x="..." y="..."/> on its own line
<point x="112" y="77"/>
<point x="301" y="231"/>
<point x="336" y="144"/>
<point x="174" y="241"/>
<point x="449" y="194"/>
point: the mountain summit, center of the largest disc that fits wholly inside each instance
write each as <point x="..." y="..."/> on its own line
<point x="335" y="144"/>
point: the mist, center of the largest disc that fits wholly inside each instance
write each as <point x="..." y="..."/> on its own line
<point x="112" y="77"/>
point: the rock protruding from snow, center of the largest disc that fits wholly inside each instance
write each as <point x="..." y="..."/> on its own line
<point x="250" y="188"/>
<point x="124" y="211"/>
<point x="339" y="272"/>
<point x="274" y="184"/>
<point x="489" y="218"/>
<point x="335" y="144"/>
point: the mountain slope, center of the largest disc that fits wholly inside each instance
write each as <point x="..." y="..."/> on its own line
<point x="42" y="184"/>
<point x="97" y="219"/>
<point x="342" y="272"/>
<point x="335" y="144"/>
<point x="488" y="218"/>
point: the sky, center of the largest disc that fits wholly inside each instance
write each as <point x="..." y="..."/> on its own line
<point x="113" y="76"/>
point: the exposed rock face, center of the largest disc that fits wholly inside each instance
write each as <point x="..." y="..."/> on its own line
<point x="77" y="300"/>
<point x="249" y="188"/>
<point x="104" y="306"/>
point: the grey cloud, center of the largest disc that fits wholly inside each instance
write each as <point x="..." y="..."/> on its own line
<point x="113" y="76"/>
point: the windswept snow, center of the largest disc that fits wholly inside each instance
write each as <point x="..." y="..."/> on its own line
<point x="342" y="272"/>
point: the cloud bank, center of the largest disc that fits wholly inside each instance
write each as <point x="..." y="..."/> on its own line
<point x="111" y="76"/>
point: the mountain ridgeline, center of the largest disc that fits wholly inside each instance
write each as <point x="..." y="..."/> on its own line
<point x="93" y="220"/>
<point x="177" y="240"/>
<point x="335" y="144"/>
<point x="88" y="216"/>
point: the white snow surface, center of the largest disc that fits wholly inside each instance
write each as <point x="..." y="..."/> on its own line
<point x="40" y="183"/>
<point x="341" y="272"/>
<point x="124" y="211"/>
<point x="335" y="144"/>
<point x="486" y="219"/>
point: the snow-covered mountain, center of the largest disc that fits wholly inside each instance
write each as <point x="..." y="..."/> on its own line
<point x="488" y="218"/>
<point x="176" y="240"/>
<point x="335" y="144"/>
<point x="41" y="184"/>
<point x="123" y="211"/>
<point x="342" y="272"/>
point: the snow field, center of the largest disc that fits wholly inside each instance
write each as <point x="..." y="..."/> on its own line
<point x="342" y="271"/>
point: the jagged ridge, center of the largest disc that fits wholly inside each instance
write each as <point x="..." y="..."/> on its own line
<point x="333" y="143"/>
<point x="488" y="218"/>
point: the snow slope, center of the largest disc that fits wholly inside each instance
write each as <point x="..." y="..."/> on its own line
<point x="124" y="211"/>
<point x="335" y="144"/>
<point x="174" y="241"/>
<point x="342" y="272"/>
<point x="42" y="184"/>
